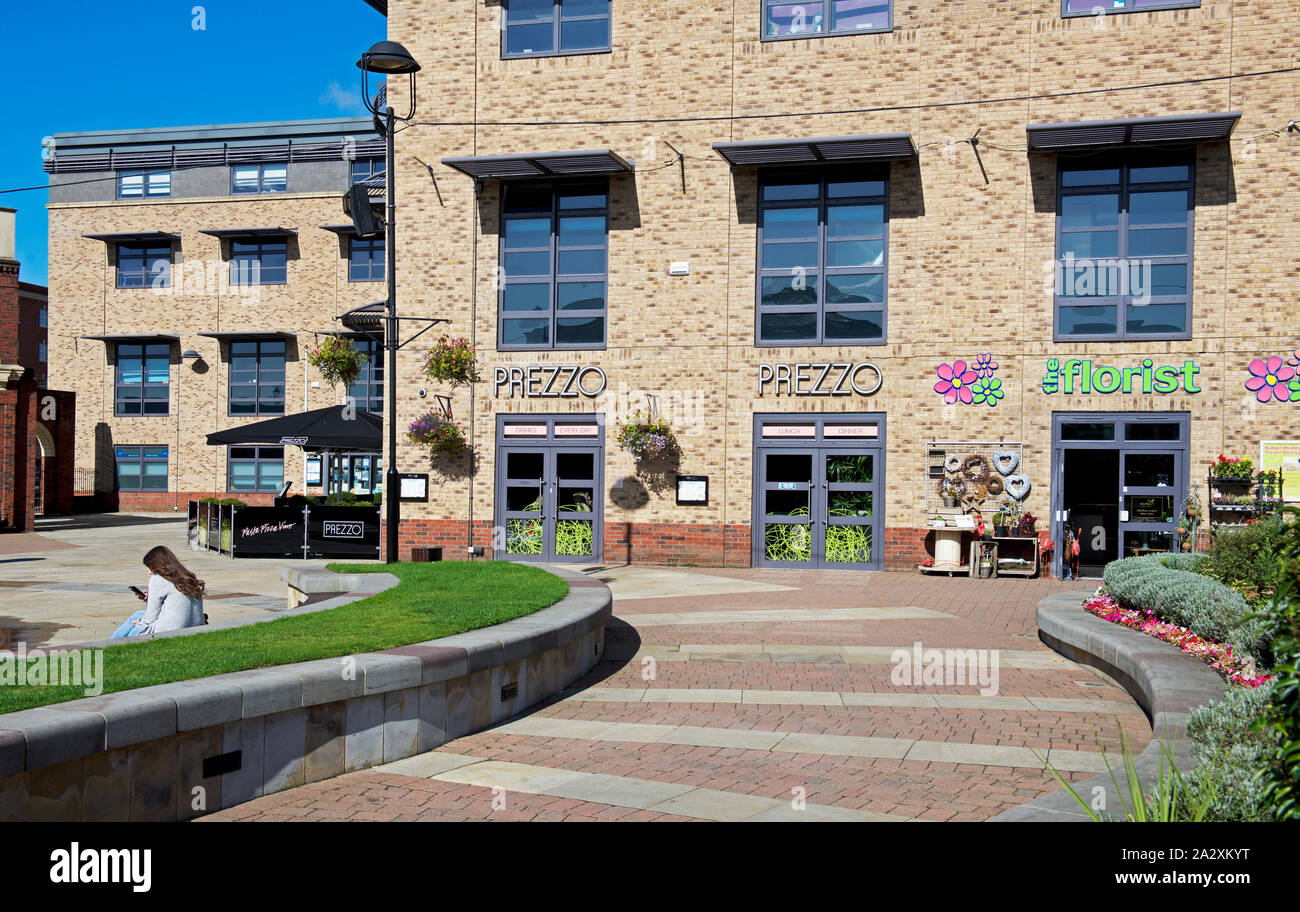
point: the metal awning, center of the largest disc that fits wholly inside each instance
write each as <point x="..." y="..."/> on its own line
<point x="224" y="233"/>
<point x="542" y="164"/>
<point x="1132" y="131"/>
<point x="348" y="229"/>
<point x="228" y="334"/>
<point x="135" y="337"/>
<point x="135" y="237"/>
<point x="818" y="150"/>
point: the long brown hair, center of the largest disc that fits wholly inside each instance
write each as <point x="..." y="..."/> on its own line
<point x="162" y="561"/>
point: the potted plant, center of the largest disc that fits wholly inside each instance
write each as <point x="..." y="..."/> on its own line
<point x="452" y="361"/>
<point x="438" y="432"/>
<point x="646" y="436"/>
<point x="337" y="360"/>
<point x="951" y="490"/>
<point x="1232" y="469"/>
<point x="999" y="525"/>
<point x="1027" y="526"/>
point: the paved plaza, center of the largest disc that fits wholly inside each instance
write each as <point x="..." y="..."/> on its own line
<point x="67" y="581"/>
<point x="739" y="694"/>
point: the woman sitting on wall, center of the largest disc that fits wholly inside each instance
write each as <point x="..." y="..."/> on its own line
<point x="174" y="601"/>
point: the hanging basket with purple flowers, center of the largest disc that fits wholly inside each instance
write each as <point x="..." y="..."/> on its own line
<point x="437" y="432"/>
<point x="452" y="361"/>
<point x="646" y="437"/>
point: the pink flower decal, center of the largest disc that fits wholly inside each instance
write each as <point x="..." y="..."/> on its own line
<point x="985" y="365"/>
<point x="1269" y="379"/>
<point x="955" y="382"/>
<point x="1294" y="360"/>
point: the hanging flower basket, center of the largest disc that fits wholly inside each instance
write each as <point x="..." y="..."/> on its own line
<point x="452" y="361"/>
<point x="437" y="432"/>
<point x="646" y="436"/>
<point x="337" y="360"/>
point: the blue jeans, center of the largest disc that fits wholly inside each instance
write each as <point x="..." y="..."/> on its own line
<point x="129" y="628"/>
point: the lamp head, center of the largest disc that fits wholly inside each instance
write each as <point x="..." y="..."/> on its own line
<point x="388" y="58"/>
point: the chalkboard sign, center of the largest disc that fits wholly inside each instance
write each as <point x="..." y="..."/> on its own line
<point x="267" y="531"/>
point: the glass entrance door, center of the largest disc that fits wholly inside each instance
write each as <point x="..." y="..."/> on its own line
<point x="548" y="503"/>
<point x="817" y="507"/>
<point x="1150" y="502"/>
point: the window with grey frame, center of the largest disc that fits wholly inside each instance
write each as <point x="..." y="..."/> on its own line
<point x="554" y="265"/>
<point x="142" y="379"/>
<point x="823" y="257"/>
<point x="1094" y="7"/>
<point x="257" y="377"/>
<point x="144" y="266"/>
<point x="546" y="28"/>
<point x="368" y="389"/>
<point x="141" y="468"/>
<point x="251" y="470"/>
<point x="366" y="168"/>
<point x="366" y="259"/>
<point x="263" y="178"/>
<point x="143" y="184"/>
<point x="259" y="262"/>
<point x="783" y="19"/>
<point x="1124" y="247"/>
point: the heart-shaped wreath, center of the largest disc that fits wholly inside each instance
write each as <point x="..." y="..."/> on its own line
<point x="1018" y="486"/>
<point x="1006" y="461"/>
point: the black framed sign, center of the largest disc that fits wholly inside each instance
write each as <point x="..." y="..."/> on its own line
<point x="692" y="490"/>
<point x="414" y="488"/>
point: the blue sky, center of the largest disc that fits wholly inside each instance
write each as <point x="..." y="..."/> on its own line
<point x="143" y="63"/>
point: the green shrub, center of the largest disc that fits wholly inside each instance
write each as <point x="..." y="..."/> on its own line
<point x="1246" y="560"/>
<point x="1203" y="605"/>
<point x="347" y="499"/>
<point x="1230" y="750"/>
<point x="1282" y="627"/>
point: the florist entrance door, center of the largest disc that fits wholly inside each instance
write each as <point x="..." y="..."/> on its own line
<point x="549" y="503"/>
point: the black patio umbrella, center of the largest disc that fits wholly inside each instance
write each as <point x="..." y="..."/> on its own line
<point x="339" y="427"/>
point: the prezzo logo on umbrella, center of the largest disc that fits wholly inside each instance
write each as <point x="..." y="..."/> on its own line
<point x="293" y="441"/>
<point x="336" y="529"/>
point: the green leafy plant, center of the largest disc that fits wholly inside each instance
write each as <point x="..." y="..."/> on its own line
<point x="1169" y="800"/>
<point x="452" y="361"/>
<point x="1231" y="749"/>
<point x="438" y="432"/>
<point x="850" y="469"/>
<point x="1247" y="560"/>
<point x="337" y="360"/>
<point x="1281" y="775"/>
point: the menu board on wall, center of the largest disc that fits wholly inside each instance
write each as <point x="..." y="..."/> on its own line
<point x="1283" y="455"/>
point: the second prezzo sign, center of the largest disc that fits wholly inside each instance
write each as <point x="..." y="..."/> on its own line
<point x="830" y="379"/>
<point x="550" y="381"/>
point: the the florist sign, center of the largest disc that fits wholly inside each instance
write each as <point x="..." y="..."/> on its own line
<point x="1082" y="378"/>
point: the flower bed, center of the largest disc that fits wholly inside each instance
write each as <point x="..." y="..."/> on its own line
<point x="1233" y="668"/>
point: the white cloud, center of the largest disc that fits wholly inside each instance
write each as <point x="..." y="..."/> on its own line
<point x="347" y="100"/>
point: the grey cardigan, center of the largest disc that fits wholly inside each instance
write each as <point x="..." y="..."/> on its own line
<point x="168" y="608"/>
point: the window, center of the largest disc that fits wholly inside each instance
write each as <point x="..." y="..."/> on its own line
<point x="1124" y="248"/>
<point x="142" y="184"/>
<point x="143" y="266"/>
<point x="141" y="468"/>
<point x="364" y="168"/>
<point x="253" y="469"/>
<point x="539" y="28"/>
<point x="823" y="249"/>
<point x="270" y="178"/>
<point x="44" y="318"/>
<point x="365" y="259"/>
<point x="368" y="390"/>
<point x="42" y="352"/>
<point x="257" y="377"/>
<point x="1092" y="7"/>
<point x="783" y="19"/>
<point x="258" y="262"/>
<point x="554" y="241"/>
<point x="143" y="371"/>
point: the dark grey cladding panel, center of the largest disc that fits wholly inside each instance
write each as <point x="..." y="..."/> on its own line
<point x="817" y="150"/>
<point x="1132" y="131"/>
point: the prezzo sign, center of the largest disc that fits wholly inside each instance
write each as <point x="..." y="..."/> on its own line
<point x="1081" y="378"/>
<point x="550" y="381"/>
<point x="337" y="529"/>
<point x="834" y="379"/>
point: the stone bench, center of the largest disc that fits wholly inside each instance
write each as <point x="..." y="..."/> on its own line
<point x="177" y="751"/>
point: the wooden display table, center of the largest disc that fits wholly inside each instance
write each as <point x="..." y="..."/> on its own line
<point x="1010" y="547"/>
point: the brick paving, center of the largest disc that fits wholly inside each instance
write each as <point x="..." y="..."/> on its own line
<point x="992" y="614"/>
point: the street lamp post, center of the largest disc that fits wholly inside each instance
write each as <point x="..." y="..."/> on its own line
<point x="390" y="58"/>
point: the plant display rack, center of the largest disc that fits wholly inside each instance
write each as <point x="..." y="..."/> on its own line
<point x="1234" y="516"/>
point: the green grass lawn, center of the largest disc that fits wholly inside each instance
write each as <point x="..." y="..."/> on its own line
<point x="433" y="600"/>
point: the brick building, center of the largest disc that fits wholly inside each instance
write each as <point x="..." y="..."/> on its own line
<point x="37" y="425"/>
<point x="837" y="246"/>
<point x="191" y="270"/>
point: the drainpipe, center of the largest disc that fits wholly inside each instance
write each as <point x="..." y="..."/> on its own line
<point x="473" y="341"/>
